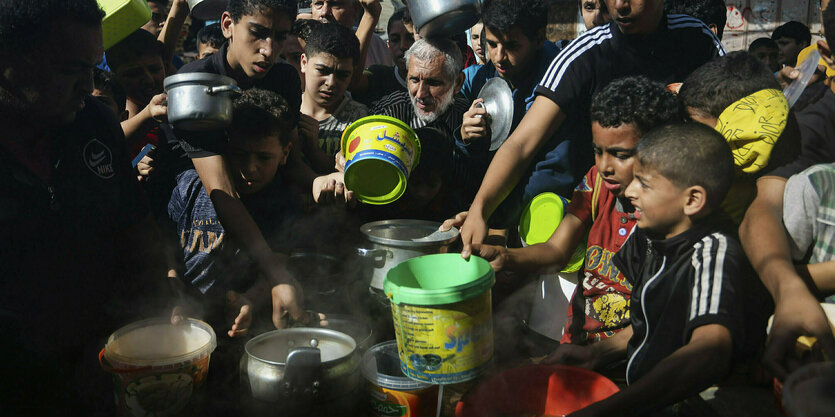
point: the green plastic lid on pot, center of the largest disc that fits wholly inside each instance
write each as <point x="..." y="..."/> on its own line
<point x="380" y="153"/>
<point x="438" y="279"/>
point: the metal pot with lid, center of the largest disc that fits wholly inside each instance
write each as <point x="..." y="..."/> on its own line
<point x="436" y="18"/>
<point x="200" y="101"/>
<point x="394" y="241"/>
<point x="301" y="370"/>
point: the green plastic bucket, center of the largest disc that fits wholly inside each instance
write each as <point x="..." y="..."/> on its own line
<point x="441" y="308"/>
<point x="540" y="220"/>
<point x="380" y="153"/>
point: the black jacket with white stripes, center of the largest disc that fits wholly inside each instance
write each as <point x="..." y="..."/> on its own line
<point x="698" y="277"/>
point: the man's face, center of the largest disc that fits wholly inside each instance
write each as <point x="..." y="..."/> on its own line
<point x="142" y="79"/>
<point x="512" y="53"/>
<point x="326" y="78"/>
<point x="254" y="162"/>
<point x="789" y="48"/>
<point x="430" y="89"/>
<point x="205" y="50"/>
<point x="614" y="150"/>
<point x="636" y="17"/>
<point x="335" y="11"/>
<point x="769" y="56"/>
<point x="659" y="204"/>
<point x="50" y="85"/>
<point x="593" y="14"/>
<point x="400" y="40"/>
<point x="157" y="21"/>
<point x="291" y="52"/>
<point x="255" y="40"/>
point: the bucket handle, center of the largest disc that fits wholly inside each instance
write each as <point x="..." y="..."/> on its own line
<point x="109" y="368"/>
<point x="223" y="89"/>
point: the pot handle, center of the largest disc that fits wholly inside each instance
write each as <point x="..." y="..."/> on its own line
<point x="374" y="253"/>
<point x="223" y="89"/>
<point x="303" y="372"/>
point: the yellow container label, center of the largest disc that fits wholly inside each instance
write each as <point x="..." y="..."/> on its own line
<point x="444" y="344"/>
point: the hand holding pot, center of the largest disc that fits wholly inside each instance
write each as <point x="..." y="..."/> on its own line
<point x="474" y="125"/>
<point x="158" y="108"/>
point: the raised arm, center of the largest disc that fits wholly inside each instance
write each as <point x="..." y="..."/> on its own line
<point x="508" y="165"/>
<point x="797" y="312"/>
<point x="171" y="30"/>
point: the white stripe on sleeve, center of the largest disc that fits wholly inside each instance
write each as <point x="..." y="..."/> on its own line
<point x="718" y="273"/>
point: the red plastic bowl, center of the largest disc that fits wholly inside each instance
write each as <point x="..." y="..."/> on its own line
<point x="539" y="389"/>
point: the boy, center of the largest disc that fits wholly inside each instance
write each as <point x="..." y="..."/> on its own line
<point x="209" y="39"/>
<point x="109" y="92"/>
<point x="791" y="38"/>
<point x="765" y="50"/>
<point x="330" y="54"/>
<point x="694" y="313"/>
<point x="621" y="113"/>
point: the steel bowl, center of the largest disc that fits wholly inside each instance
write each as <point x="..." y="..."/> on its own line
<point x="436" y="18"/>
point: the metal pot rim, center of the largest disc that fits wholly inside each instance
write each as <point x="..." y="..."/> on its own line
<point x="330" y="334"/>
<point x="197" y="78"/>
<point x="368" y="228"/>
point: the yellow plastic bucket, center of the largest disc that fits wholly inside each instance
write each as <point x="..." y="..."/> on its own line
<point x="441" y="308"/>
<point x="158" y="367"/>
<point x="380" y="153"/>
<point x="121" y="18"/>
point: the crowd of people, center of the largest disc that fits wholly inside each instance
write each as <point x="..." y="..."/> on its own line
<point x="703" y="200"/>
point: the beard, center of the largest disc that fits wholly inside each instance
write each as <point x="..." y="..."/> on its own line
<point x="441" y="107"/>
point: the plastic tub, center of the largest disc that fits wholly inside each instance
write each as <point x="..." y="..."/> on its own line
<point x="157" y="367"/>
<point x="380" y="153"/>
<point x="121" y="18"/>
<point x="540" y="219"/>
<point x="441" y="308"/>
<point x="539" y="389"/>
<point x="391" y="392"/>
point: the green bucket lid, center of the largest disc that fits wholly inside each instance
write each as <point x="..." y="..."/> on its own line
<point x="541" y="217"/>
<point x="438" y="279"/>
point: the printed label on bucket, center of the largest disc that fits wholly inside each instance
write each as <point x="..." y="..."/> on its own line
<point x="446" y="344"/>
<point x="393" y="403"/>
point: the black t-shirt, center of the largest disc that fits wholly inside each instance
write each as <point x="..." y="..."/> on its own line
<point x="817" y="133"/>
<point x="382" y="81"/>
<point x="62" y="282"/>
<point x="282" y="78"/>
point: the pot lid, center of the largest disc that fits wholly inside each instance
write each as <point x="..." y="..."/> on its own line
<point x="408" y="233"/>
<point x="498" y="101"/>
<point x="201" y="78"/>
<point x="274" y="347"/>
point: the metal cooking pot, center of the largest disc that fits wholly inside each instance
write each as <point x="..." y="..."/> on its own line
<point x="434" y="18"/>
<point x="359" y="330"/>
<point x="298" y="370"/>
<point x="200" y="101"/>
<point x="207" y="9"/>
<point x="394" y="241"/>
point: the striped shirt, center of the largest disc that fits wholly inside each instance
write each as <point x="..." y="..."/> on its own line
<point x="698" y="277"/>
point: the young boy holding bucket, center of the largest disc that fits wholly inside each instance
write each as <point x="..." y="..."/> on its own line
<point x="621" y="113"/>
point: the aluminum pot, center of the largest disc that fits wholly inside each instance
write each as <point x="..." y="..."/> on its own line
<point x="200" y="101"/>
<point x="394" y="241"/>
<point x="286" y="371"/>
<point x="434" y="18"/>
<point x="207" y="9"/>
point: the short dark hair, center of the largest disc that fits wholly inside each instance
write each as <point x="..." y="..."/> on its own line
<point x="259" y="113"/>
<point x="689" y="154"/>
<point x="828" y="19"/>
<point x="714" y="86"/>
<point x="398" y="15"/>
<point x="711" y="12"/>
<point x="240" y="8"/>
<point x="106" y="80"/>
<point x="794" y="30"/>
<point x="333" y="39"/>
<point x="211" y="35"/>
<point x="164" y="3"/>
<point x="301" y="28"/>
<point x="26" y="23"/>
<point x="138" y="44"/>
<point x="637" y="101"/>
<point x="501" y="16"/>
<point x="762" y="43"/>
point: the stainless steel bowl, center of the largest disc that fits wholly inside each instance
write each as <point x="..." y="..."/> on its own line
<point x="434" y="18"/>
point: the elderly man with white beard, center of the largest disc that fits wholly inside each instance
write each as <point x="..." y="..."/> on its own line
<point x="434" y="79"/>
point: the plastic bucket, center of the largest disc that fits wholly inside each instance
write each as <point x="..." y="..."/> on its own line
<point x="441" y="308"/>
<point x="121" y="18"/>
<point x="540" y="219"/>
<point x="391" y="393"/>
<point x="158" y="367"/>
<point x="380" y="152"/>
<point x="539" y="389"/>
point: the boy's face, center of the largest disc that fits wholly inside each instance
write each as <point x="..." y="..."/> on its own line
<point x="106" y="96"/>
<point x="636" y="17"/>
<point x="789" y="48"/>
<point x="614" y="150"/>
<point x="475" y="40"/>
<point x="593" y="14"/>
<point x="400" y="40"/>
<point x="769" y="56"/>
<point x="254" y="162"/>
<point x="205" y="50"/>
<point x="512" y="53"/>
<point x="326" y="78"/>
<point x="255" y="40"/>
<point x="158" y="16"/>
<point x="659" y="204"/>
<point x="291" y="52"/>
<point x="143" y="78"/>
